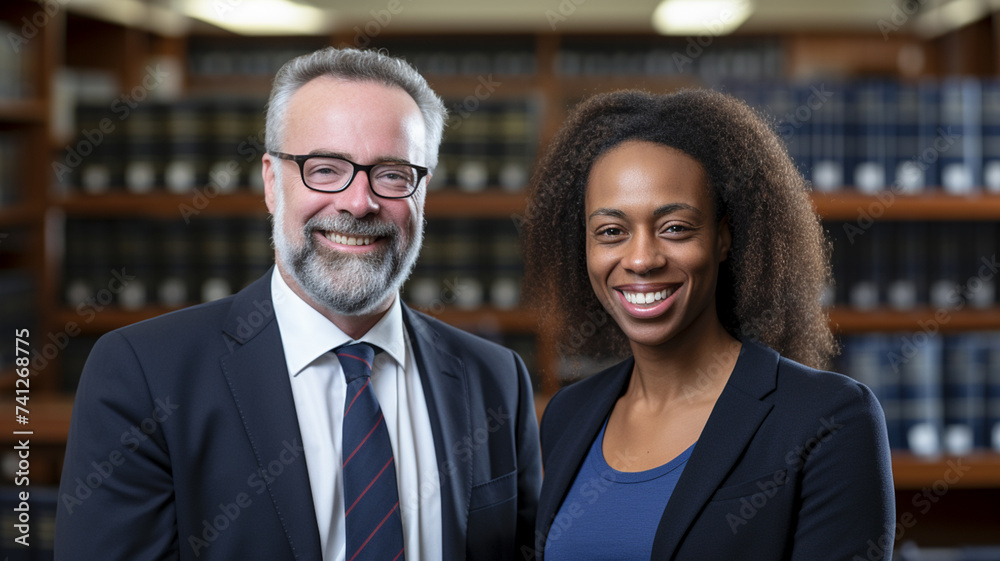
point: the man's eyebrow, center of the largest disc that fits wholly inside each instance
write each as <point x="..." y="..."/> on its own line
<point x="343" y="156"/>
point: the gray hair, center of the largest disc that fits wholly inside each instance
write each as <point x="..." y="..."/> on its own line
<point x="355" y="65"/>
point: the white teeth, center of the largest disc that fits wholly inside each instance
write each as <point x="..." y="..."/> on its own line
<point x="347" y="240"/>
<point x="647" y="297"/>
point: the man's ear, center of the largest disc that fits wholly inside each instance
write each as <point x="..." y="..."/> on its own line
<point x="723" y="239"/>
<point x="270" y="183"/>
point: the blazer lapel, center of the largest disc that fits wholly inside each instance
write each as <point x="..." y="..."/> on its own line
<point x="735" y="418"/>
<point x="446" y="390"/>
<point x="258" y="379"/>
<point x="572" y="448"/>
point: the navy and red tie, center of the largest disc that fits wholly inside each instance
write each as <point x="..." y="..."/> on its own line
<point x="371" y="498"/>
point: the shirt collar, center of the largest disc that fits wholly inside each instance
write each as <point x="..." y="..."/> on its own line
<point x="307" y="335"/>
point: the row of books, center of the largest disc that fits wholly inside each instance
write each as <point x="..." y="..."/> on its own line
<point x="877" y="134"/>
<point x="16" y="72"/>
<point x="488" y="143"/>
<point x="467" y="264"/>
<point x="160" y="146"/>
<point x="913" y="264"/>
<point x="940" y="393"/>
<point x="247" y="58"/>
<point x="179" y="146"/>
<point x="135" y="263"/>
<point x="11" y="185"/>
<point x="702" y="57"/>
<point x="464" y="263"/>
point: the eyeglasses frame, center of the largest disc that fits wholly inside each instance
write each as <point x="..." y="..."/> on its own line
<point x="300" y="159"/>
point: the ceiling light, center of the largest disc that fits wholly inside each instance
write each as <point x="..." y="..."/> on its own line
<point x="692" y="17"/>
<point x="948" y="16"/>
<point x="261" y="17"/>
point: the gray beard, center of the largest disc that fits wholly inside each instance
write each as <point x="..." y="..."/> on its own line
<point x="347" y="284"/>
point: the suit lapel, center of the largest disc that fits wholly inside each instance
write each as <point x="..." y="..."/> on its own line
<point x="446" y="390"/>
<point x="735" y="418"/>
<point x="258" y="379"/>
<point x="570" y="450"/>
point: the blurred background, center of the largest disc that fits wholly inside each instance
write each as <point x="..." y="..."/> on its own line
<point x="131" y="133"/>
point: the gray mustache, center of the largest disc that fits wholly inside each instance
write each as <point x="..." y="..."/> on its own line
<point x="347" y="224"/>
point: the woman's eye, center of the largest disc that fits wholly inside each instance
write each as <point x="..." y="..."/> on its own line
<point x="610" y="232"/>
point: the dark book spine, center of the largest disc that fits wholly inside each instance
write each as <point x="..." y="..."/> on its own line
<point x="919" y="360"/>
<point x="964" y="393"/>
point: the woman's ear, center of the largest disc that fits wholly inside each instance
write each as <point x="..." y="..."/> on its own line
<point x="723" y="239"/>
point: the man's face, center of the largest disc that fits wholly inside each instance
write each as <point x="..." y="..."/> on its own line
<point x="348" y="252"/>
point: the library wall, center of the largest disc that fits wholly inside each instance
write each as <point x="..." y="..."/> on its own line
<point x="130" y="186"/>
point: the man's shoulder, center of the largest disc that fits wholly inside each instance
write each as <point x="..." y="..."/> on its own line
<point x="193" y="322"/>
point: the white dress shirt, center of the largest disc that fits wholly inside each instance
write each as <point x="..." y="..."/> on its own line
<point x="319" y="388"/>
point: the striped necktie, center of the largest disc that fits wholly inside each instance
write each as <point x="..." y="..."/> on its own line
<point x="371" y="498"/>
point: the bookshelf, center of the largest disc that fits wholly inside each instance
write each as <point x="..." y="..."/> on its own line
<point x="538" y="78"/>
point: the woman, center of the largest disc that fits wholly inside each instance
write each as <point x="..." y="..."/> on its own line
<point x="682" y="218"/>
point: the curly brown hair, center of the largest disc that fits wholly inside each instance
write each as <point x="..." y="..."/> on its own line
<point x="769" y="288"/>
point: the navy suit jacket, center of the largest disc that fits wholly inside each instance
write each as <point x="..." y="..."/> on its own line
<point x="792" y="464"/>
<point x="184" y="443"/>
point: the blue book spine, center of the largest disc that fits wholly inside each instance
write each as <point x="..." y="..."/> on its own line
<point x="961" y="119"/>
<point x="917" y="148"/>
<point x="918" y="359"/>
<point x="964" y="393"/>
<point x="991" y="345"/>
<point x="827" y="103"/>
<point x="907" y="288"/>
<point x="929" y="156"/>
<point x="875" y="123"/>
<point x="804" y="123"/>
<point x="991" y="135"/>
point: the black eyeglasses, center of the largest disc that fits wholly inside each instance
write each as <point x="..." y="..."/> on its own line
<point x="331" y="174"/>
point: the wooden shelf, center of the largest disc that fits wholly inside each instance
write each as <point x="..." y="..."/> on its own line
<point x="492" y="202"/>
<point x="162" y="205"/>
<point x="857" y="321"/>
<point x="851" y="205"/>
<point x="20" y="214"/>
<point x="49" y="417"/>
<point x="979" y="470"/>
<point x="29" y="111"/>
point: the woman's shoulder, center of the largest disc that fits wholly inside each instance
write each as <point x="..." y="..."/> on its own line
<point x="809" y="391"/>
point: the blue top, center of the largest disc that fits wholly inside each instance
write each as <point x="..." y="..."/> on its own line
<point x="610" y="514"/>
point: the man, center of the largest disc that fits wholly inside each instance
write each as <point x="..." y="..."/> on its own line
<point x="227" y="431"/>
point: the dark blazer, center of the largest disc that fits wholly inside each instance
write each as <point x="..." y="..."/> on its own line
<point x="792" y="464"/>
<point x="184" y="442"/>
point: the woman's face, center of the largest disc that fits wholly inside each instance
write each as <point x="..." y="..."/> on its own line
<point x="653" y="245"/>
